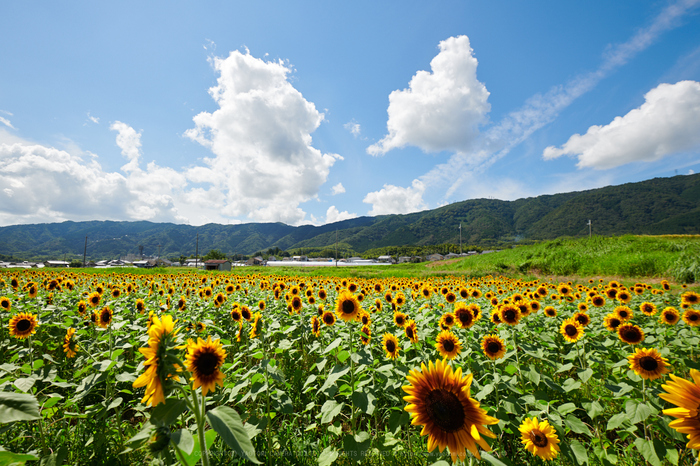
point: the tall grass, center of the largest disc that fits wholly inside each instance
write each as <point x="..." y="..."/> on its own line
<point x="673" y="257"/>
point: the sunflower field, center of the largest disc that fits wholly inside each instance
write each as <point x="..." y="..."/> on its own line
<point x="227" y="368"/>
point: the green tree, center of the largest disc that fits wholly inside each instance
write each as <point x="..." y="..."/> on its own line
<point x="214" y="254"/>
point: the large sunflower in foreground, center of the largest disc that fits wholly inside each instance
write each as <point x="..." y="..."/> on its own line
<point x="391" y="345"/>
<point x="448" y="345"/>
<point x="539" y="438"/>
<point x="685" y="395"/>
<point x="648" y="363"/>
<point x="439" y="400"/>
<point x="23" y="325"/>
<point x="347" y="307"/>
<point x="204" y="361"/>
<point x="162" y="362"/>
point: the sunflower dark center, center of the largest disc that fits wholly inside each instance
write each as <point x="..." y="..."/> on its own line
<point x="539" y="439"/>
<point x="648" y="363"/>
<point x="399" y="320"/>
<point x="670" y="317"/>
<point x="328" y="319"/>
<point x="23" y="325"/>
<point x="632" y="335"/>
<point x="348" y="307"/>
<point x="693" y="317"/>
<point x="390" y="346"/>
<point x="105" y="317"/>
<point x="509" y="315"/>
<point x="449" y="345"/>
<point x="493" y="347"/>
<point x="445" y="410"/>
<point x="206" y="363"/>
<point x="409" y="332"/>
<point x="449" y="321"/>
<point x="571" y="330"/>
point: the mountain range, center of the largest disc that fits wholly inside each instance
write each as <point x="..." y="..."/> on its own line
<point x="656" y="206"/>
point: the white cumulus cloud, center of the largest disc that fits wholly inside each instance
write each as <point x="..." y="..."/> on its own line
<point x="264" y="164"/>
<point x="397" y="200"/>
<point x="338" y="189"/>
<point x="668" y="122"/>
<point x="333" y="215"/>
<point x="440" y="110"/>
<point x="129" y="141"/>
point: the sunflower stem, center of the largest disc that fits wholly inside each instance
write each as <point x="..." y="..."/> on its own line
<point x="517" y="358"/>
<point x="199" y="417"/>
<point x="352" y="383"/>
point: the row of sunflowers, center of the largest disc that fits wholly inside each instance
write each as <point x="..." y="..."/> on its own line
<point x="196" y="368"/>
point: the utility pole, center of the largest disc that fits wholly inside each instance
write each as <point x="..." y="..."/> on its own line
<point x="336" y="247"/>
<point x="460" y="238"/>
<point x="589" y="229"/>
<point x="196" y="253"/>
<point x="85" y="251"/>
<point x="159" y="251"/>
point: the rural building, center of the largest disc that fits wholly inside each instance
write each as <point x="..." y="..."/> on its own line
<point x="435" y="257"/>
<point x="386" y="259"/>
<point x="57" y="264"/>
<point x="256" y="261"/>
<point x="217" y="264"/>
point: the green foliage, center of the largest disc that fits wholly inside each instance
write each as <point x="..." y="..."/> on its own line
<point x="658" y="206"/>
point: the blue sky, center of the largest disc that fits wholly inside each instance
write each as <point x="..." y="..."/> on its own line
<point x="314" y="112"/>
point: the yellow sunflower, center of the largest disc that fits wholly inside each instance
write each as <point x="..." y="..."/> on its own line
<point x="400" y="319"/>
<point x="463" y="315"/>
<point x="448" y="345"/>
<point x="140" y="306"/>
<point x="648" y="308"/>
<point x="686" y="396"/>
<point x="582" y="318"/>
<point x="347" y="307"/>
<point x="411" y="331"/>
<point x="648" y="363"/>
<point x="670" y="316"/>
<point x="315" y="326"/>
<point x="94" y="299"/>
<point x="5" y="303"/>
<point x="366" y="336"/>
<point x="550" y="311"/>
<point x="630" y="333"/>
<point x="691" y="317"/>
<point x="204" y="360"/>
<point x="624" y="313"/>
<point x="612" y="321"/>
<point x="391" y="345"/>
<point x="70" y="346"/>
<point x="23" y="325"/>
<point x="509" y="314"/>
<point x="256" y="326"/>
<point x="105" y="317"/>
<point x="598" y="301"/>
<point x="440" y="401"/>
<point x="162" y="362"/>
<point x="539" y="438"/>
<point x="328" y="318"/>
<point x="447" y="320"/>
<point x="571" y="330"/>
<point x="691" y="298"/>
<point x="493" y="347"/>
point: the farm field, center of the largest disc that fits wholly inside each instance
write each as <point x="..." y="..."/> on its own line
<point x="233" y="368"/>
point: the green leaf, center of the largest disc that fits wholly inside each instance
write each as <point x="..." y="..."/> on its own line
<point x="484" y="392"/>
<point x="333" y="345"/>
<point x="564" y="368"/>
<point x="330" y="410"/>
<point x="576" y="425"/>
<point x="103" y="365"/>
<point x="616" y="421"/>
<point x="570" y="385"/>
<point x="24" y="384"/>
<point x="254" y="426"/>
<point x="646" y="448"/>
<point x="364" y="401"/>
<point x="585" y="375"/>
<point x="56" y="458"/>
<point x="637" y="412"/>
<point x="336" y="373"/>
<point x="167" y="413"/>
<point x="566" y="408"/>
<point x="533" y="376"/>
<point x="594" y="409"/>
<point x="579" y="451"/>
<point x="227" y="423"/>
<point x="440" y="463"/>
<point x="494" y="461"/>
<point x="193" y="458"/>
<point x="8" y="458"/>
<point x="355" y="446"/>
<point x="18" y="407"/>
<point x="327" y="456"/>
<point x="183" y="440"/>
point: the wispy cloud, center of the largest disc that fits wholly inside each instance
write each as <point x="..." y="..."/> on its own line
<point x="541" y="109"/>
<point x="6" y="122"/>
